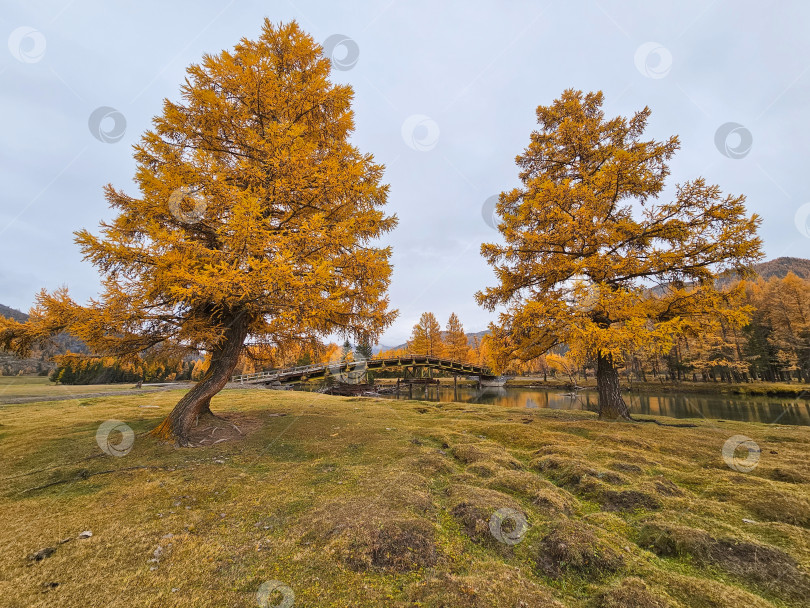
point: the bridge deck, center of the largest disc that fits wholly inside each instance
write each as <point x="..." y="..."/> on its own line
<point x="352" y="369"/>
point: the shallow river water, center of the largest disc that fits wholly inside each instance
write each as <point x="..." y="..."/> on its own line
<point x="773" y="410"/>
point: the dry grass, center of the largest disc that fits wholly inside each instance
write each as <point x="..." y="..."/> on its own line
<point x="13" y="388"/>
<point x="364" y="502"/>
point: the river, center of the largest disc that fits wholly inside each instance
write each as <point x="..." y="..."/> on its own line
<point x="772" y="410"/>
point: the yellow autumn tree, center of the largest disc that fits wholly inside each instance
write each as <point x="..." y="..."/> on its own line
<point x="785" y="307"/>
<point x="256" y="220"/>
<point x="592" y="259"/>
<point x="426" y="338"/>
<point x="456" y="346"/>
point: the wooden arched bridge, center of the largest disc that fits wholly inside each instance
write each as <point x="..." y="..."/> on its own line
<point x="349" y="371"/>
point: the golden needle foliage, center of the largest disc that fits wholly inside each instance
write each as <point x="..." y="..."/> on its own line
<point x="290" y="211"/>
<point x="591" y="258"/>
<point x="426" y="338"/>
<point x="255" y="217"/>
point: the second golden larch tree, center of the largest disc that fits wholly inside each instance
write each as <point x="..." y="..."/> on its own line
<point x="592" y="259"/>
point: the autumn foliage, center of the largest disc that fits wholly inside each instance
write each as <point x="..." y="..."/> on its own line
<point x="426" y="338"/>
<point x="591" y="258"/>
<point x="254" y="221"/>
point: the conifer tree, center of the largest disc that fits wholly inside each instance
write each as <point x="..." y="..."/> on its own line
<point x="455" y="340"/>
<point x="255" y="221"/>
<point x="426" y="338"/>
<point x="592" y="259"/>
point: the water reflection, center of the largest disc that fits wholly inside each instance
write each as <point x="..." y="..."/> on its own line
<point x="774" y="410"/>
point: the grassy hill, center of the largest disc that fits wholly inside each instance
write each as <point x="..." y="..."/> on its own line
<point x="364" y="502"/>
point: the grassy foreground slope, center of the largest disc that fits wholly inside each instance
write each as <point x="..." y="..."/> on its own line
<point x="363" y="502"/>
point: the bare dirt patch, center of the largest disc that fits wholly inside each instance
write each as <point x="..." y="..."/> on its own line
<point x="766" y="566"/>
<point x="213" y="430"/>
<point x="576" y="547"/>
<point x="393" y="546"/>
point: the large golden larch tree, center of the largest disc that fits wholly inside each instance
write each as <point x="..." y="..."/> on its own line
<point x="256" y="222"/>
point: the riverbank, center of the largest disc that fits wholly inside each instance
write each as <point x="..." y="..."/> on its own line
<point x="769" y="389"/>
<point x="370" y="502"/>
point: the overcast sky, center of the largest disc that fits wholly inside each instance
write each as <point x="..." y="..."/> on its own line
<point x="445" y="94"/>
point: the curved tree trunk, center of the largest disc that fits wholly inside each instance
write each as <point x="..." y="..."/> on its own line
<point x="197" y="401"/>
<point x="611" y="402"/>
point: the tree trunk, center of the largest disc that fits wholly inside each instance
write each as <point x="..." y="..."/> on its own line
<point x="197" y="402"/>
<point x="611" y="402"/>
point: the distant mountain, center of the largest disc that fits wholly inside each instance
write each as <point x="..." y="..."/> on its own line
<point x="778" y="268"/>
<point x="781" y="266"/>
<point x="40" y="360"/>
<point x="13" y="313"/>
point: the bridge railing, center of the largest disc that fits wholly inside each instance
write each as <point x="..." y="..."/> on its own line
<point x="301" y="369"/>
<point x="276" y="374"/>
